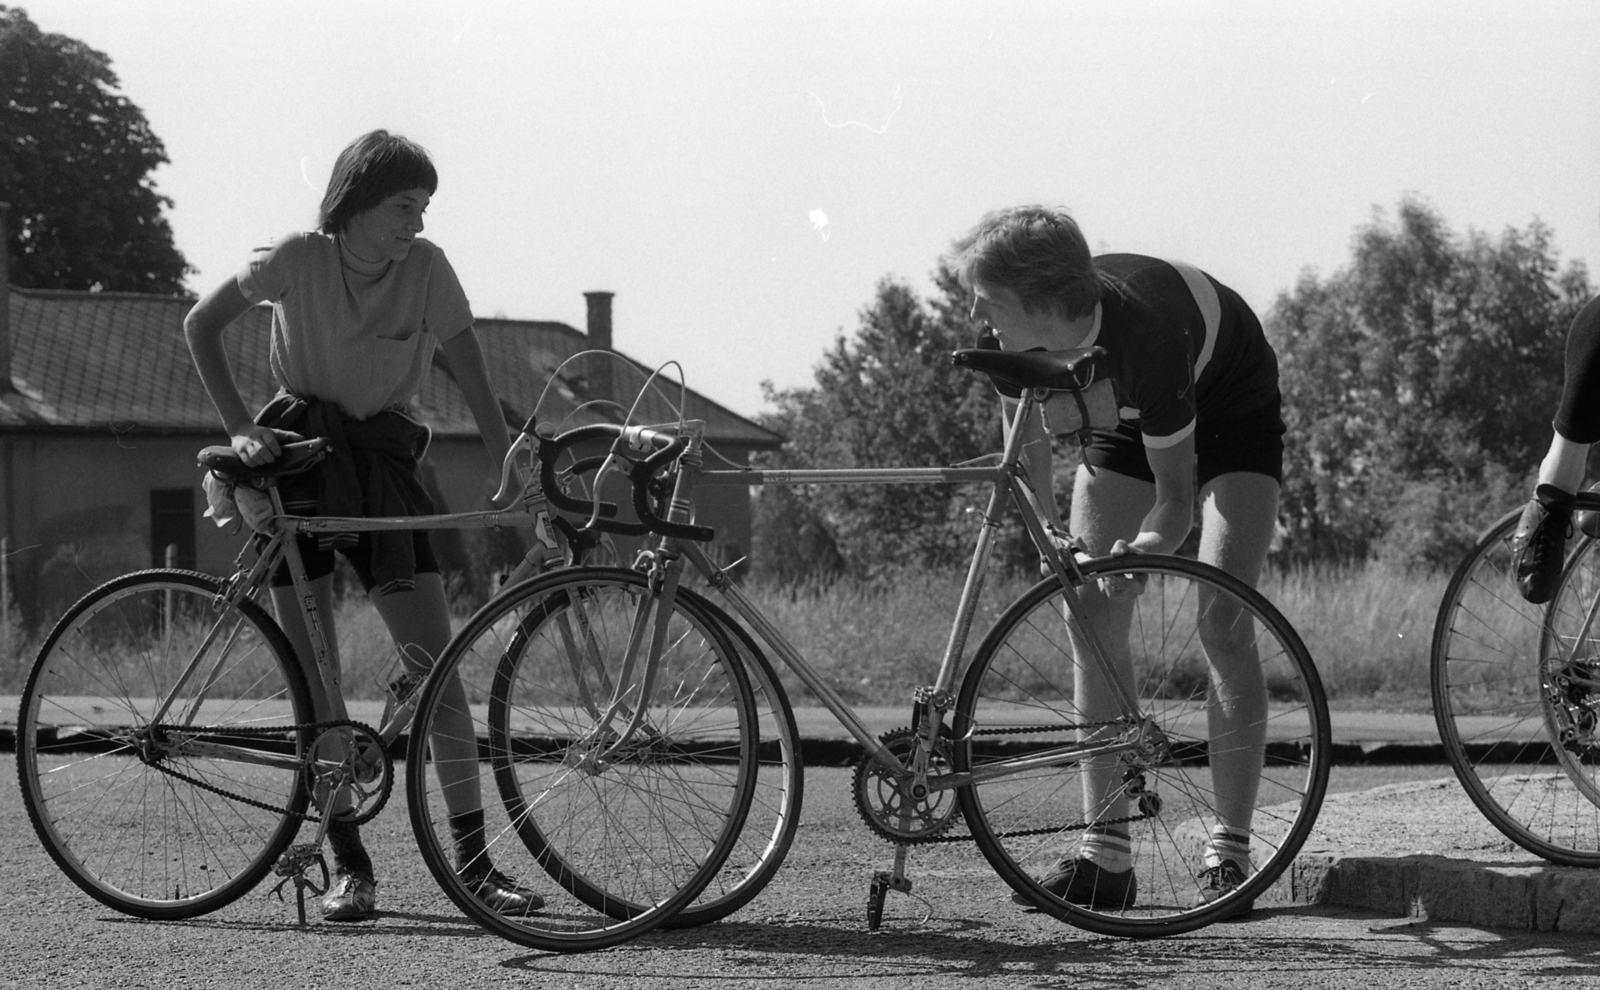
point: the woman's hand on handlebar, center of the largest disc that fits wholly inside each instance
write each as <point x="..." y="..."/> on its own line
<point x="257" y="445"/>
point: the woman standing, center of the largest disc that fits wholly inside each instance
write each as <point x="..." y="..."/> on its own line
<point x="358" y="307"/>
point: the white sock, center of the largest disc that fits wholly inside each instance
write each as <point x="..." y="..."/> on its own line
<point x="1226" y="843"/>
<point x="1109" y="849"/>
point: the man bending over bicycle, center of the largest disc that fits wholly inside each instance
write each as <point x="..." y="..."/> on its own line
<point x="1196" y="386"/>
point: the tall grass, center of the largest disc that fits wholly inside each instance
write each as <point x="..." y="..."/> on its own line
<point x="18" y="645"/>
<point x="1367" y="629"/>
<point x="875" y="642"/>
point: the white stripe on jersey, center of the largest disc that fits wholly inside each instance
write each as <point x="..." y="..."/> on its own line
<point x="1205" y="296"/>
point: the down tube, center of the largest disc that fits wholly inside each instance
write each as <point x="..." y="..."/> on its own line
<point x="769" y="633"/>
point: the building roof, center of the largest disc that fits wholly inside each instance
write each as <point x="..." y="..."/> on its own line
<point x="117" y="360"/>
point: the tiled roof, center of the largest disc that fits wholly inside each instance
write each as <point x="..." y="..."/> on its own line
<point x="116" y="359"/>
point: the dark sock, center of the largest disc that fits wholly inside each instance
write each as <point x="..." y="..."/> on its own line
<point x="349" y="855"/>
<point x="471" y="855"/>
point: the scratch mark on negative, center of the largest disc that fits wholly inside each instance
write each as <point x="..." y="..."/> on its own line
<point x="884" y="129"/>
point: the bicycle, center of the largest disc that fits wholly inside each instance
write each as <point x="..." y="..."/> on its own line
<point x="604" y="683"/>
<point x="168" y="751"/>
<point x="1516" y="695"/>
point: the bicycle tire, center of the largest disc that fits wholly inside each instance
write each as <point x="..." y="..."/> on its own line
<point x="630" y="836"/>
<point x="1492" y="669"/>
<point x="1018" y="696"/>
<point x="122" y="806"/>
<point x="774" y="814"/>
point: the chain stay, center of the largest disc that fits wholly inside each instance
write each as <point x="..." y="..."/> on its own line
<point x="1077" y="826"/>
<point x="316" y="728"/>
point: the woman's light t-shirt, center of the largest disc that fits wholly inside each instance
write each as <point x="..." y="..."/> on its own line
<point x="346" y="331"/>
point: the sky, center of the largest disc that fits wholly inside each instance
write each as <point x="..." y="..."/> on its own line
<point x="743" y="174"/>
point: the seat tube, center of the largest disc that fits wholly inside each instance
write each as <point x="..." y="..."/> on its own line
<point x="977" y="569"/>
<point x="323" y="663"/>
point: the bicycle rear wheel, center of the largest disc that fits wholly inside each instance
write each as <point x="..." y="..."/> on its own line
<point x="1516" y="695"/>
<point x="627" y="785"/>
<point x="177" y="816"/>
<point x="1170" y="785"/>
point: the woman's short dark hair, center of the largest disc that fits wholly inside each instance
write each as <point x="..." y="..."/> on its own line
<point x="1038" y="252"/>
<point x="372" y="168"/>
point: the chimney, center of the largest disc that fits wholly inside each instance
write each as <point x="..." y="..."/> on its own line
<point x="598" y="370"/>
<point x="6" y="385"/>
<point x="599" y="328"/>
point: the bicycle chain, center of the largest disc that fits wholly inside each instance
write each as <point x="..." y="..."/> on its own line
<point x="317" y="728"/>
<point x="1078" y="826"/>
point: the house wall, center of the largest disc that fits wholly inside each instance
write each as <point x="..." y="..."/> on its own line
<point x="77" y="511"/>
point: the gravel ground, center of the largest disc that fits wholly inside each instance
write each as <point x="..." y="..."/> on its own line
<point x="807" y="929"/>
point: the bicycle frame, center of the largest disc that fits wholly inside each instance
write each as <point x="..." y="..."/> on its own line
<point x="1009" y="486"/>
<point x="280" y="531"/>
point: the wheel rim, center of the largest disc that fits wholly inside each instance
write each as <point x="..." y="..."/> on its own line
<point x="1020" y="694"/>
<point x="144" y="818"/>
<point x="1496" y="709"/>
<point x="617" y="836"/>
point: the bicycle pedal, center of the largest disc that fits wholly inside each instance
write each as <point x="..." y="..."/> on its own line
<point x="878" y="891"/>
<point x="293" y="866"/>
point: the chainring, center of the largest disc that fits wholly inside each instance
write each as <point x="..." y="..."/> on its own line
<point x="352" y="758"/>
<point x="884" y="799"/>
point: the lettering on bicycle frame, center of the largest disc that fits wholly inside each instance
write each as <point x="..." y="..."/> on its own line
<point x="541" y="531"/>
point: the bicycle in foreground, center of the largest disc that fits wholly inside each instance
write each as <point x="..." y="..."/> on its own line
<point x="619" y="722"/>
<point x="1516" y="694"/>
<point x="170" y="756"/>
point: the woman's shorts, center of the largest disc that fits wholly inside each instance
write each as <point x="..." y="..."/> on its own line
<point x="319" y="562"/>
<point x="1252" y="442"/>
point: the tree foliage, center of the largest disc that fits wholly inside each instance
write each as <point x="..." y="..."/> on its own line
<point x="1419" y="384"/>
<point x="886" y="397"/>
<point x="75" y="164"/>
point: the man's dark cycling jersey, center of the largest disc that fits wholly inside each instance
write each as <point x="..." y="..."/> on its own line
<point x="1169" y="363"/>
<point x="1578" y="416"/>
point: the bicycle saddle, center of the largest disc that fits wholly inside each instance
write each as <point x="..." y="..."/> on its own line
<point x="1031" y="369"/>
<point x="296" y="457"/>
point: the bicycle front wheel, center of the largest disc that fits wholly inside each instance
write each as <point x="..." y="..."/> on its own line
<point x="159" y="745"/>
<point x="1516" y="695"/>
<point x="774" y="814"/>
<point x="1232" y="731"/>
<point x="624" y="781"/>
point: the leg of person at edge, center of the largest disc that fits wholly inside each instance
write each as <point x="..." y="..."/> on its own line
<point x="1540" y="541"/>
<point x="359" y="306"/>
<point x="1196" y="388"/>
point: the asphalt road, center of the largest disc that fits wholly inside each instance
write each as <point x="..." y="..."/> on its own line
<point x="806" y="930"/>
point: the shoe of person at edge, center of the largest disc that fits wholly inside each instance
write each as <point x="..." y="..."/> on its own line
<point x="351" y="898"/>
<point x="1538" y="547"/>
<point x="1217" y="882"/>
<point x="500" y="893"/>
<point x="1085" y="882"/>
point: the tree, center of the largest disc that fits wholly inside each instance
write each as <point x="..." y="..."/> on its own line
<point x="75" y="163"/>
<point x="1419" y="384"/>
<point x="888" y="397"/>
